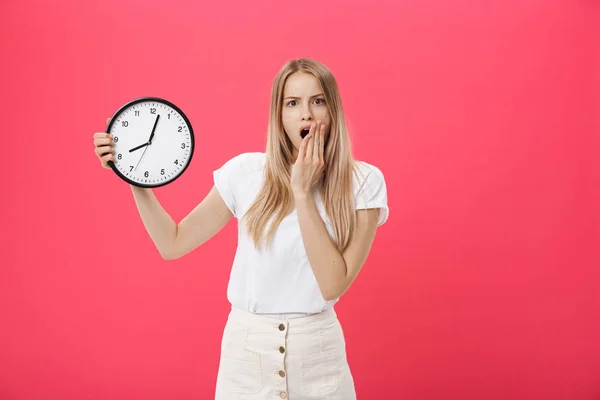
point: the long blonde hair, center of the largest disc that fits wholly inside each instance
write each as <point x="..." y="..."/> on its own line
<point x="275" y="199"/>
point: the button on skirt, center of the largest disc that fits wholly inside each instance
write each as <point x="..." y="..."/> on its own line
<point x="297" y="359"/>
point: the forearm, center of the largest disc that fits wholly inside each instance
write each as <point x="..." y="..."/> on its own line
<point x="327" y="263"/>
<point x="159" y="224"/>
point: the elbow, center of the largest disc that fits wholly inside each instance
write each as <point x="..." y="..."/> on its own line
<point x="334" y="289"/>
<point x="330" y="294"/>
<point x="169" y="255"/>
<point x="330" y="298"/>
<point x="170" y="252"/>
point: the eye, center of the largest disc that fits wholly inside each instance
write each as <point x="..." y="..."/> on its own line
<point x="322" y="101"/>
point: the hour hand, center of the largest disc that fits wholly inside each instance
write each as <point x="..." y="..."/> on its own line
<point x="139" y="147"/>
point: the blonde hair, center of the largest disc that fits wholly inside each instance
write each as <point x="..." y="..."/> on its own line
<point x="275" y="199"/>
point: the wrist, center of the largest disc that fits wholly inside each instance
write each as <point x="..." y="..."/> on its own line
<point x="301" y="195"/>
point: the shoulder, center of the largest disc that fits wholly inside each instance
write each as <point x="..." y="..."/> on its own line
<point x="370" y="189"/>
<point x="367" y="175"/>
<point x="365" y="168"/>
<point x="246" y="161"/>
<point x="241" y="166"/>
<point x="237" y="176"/>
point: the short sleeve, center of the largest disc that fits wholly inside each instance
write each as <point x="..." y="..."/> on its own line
<point x="226" y="178"/>
<point x="371" y="191"/>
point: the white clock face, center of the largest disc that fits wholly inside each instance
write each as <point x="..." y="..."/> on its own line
<point x="154" y="142"/>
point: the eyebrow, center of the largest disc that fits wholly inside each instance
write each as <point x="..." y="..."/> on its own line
<point x="293" y="97"/>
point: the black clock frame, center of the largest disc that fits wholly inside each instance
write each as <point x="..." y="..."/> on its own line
<point x="185" y="118"/>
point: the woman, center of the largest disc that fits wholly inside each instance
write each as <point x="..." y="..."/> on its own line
<point x="307" y="213"/>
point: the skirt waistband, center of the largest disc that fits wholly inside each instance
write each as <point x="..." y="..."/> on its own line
<point x="267" y="324"/>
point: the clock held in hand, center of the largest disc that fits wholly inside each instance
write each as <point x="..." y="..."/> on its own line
<point x="154" y="142"/>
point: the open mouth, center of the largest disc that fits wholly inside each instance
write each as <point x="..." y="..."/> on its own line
<point x="304" y="132"/>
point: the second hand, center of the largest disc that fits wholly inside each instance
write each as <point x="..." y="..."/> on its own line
<point x="149" y="141"/>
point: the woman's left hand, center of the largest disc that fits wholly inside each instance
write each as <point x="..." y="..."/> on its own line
<point x="310" y="164"/>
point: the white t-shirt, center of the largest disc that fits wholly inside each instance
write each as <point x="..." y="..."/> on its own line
<point x="281" y="281"/>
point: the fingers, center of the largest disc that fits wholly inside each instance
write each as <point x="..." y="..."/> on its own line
<point x="100" y="135"/>
<point x="105" y="159"/>
<point x="104" y="147"/>
<point x="302" y="151"/>
<point x="312" y="147"/>
<point x="311" y="141"/>
<point x="102" y="141"/>
<point x="101" y="150"/>
<point x="305" y="148"/>
<point x="317" y="143"/>
<point x="105" y="154"/>
<point x="322" y="143"/>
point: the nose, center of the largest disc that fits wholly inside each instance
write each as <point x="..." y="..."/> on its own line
<point x="306" y="114"/>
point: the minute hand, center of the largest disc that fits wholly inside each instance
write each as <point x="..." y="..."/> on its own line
<point x="153" y="129"/>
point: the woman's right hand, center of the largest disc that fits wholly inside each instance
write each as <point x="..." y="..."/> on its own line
<point x="104" y="147"/>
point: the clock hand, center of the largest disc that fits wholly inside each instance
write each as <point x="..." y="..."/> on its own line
<point x="139" y="147"/>
<point x="141" y="157"/>
<point x="149" y="140"/>
<point x="153" y="129"/>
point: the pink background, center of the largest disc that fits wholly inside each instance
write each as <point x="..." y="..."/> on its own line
<point x="483" y="116"/>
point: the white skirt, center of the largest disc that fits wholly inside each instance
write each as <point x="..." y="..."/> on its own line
<point x="295" y="359"/>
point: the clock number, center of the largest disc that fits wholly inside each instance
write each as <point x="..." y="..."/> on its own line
<point x="153" y="111"/>
<point x="146" y="174"/>
<point x="115" y="139"/>
<point x="137" y="113"/>
<point x="162" y="171"/>
<point x="177" y="162"/>
<point x="183" y="145"/>
<point x="119" y="156"/>
<point x="179" y="129"/>
<point x="130" y="168"/>
<point x="125" y="124"/>
<point x="168" y="116"/>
